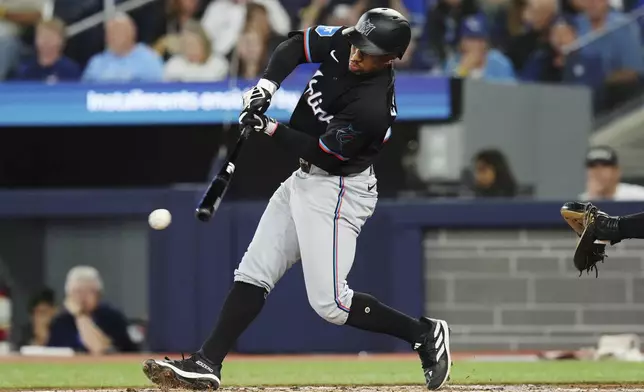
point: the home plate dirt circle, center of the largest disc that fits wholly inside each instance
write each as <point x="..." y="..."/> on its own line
<point x="401" y="388"/>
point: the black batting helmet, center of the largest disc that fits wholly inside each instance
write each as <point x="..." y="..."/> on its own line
<point x="380" y="31"/>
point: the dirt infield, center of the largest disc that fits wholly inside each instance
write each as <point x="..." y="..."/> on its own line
<point x="403" y="388"/>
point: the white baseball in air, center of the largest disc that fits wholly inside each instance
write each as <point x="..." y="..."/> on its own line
<point x="159" y="219"/>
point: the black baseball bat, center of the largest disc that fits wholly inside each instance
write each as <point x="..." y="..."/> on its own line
<point x="219" y="184"/>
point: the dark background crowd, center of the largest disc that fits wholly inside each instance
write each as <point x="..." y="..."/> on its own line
<point x="209" y="40"/>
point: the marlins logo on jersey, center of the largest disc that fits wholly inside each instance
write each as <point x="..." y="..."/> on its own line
<point x="314" y="100"/>
<point x="345" y="135"/>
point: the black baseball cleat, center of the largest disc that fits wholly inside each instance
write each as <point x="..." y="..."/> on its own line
<point x="195" y="373"/>
<point x="434" y="352"/>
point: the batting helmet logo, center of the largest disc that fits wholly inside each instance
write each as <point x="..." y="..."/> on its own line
<point x="366" y="27"/>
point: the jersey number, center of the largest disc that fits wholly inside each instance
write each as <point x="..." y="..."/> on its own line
<point x="393" y="111"/>
<point x="326" y="31"/>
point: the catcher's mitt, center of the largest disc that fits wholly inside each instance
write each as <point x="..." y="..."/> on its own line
<point x="589" y="251"/>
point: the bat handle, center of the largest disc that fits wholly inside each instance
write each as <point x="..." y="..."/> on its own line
<point x="219" y="186"/>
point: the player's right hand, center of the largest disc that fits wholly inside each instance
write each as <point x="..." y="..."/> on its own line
<point x="259" y="122"/>
<point x="258" y="99"/>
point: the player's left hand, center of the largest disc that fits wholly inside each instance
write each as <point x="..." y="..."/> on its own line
<point x="259" y="122"/>
<point x="258" y="99"/>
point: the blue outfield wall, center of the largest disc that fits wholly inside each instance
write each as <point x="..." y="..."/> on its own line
<point x="191" y="262"/>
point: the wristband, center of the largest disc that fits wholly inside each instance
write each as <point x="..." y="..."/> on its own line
<point x="268" y="85"/>
<point x="271" y="128"/>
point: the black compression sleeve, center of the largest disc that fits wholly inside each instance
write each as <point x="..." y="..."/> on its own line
<point x="304" y="146"/>
<point x="294" y="141"/>
<point x="286" y="57"/>
<point x="632" y="226"/>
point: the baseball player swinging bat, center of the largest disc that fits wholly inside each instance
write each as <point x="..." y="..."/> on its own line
<point x="339" y="127"/>
<point x="219" y="185"/>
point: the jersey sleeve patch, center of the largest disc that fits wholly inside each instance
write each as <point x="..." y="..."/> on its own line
<point x="326" y="31"/>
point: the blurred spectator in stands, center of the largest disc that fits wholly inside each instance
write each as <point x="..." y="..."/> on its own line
<point x="343" y="12"/>
<point x="257" y="18"/>
<point x="550" y="64"/>
<point x="603" y="177"/>
<point x="252" y="53"/>
<point x="14" y="16"/>
<point x="475" y="59"/>
<point x="507" y="23"/>
<point x="49" y="64"/>
<point x="547" y="63"/>
<point x="42" y="309"/>
<point x="87" y="43"/>
<point x="178" y="12"/>
<point x="539" y="16"/>
<point x="619" y="49"/>
<point x="444" y="25"/>
<point x="631" y="5"/>
<point x="195" y="62"/>
<point x="224" y="21"/>
<point x="492" y="175"/>
<point x="124" y="59"/>
<point x="411" y="60"/>
<point x="342" y="15"/>
<point x="572" y="8"/>
<point x="317" y="11"/>
<point x="87" y="323"/>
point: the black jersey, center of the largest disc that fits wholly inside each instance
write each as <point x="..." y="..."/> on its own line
<point x="350" y="114"/>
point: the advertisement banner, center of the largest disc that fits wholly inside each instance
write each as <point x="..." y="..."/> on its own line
<point x="419" y="98"/>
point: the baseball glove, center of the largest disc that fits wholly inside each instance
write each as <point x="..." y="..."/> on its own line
<point x="589" y="251"/>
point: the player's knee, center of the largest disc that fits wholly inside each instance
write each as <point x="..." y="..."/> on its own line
<point x="330" y="311"/>
<point x="241" y="275"/>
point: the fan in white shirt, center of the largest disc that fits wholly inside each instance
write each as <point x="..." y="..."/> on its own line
<point x="196" y="62"/>
<point x="604" y="175"/>
<point x="224" y="21"/>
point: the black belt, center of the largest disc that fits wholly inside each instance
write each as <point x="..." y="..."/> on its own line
<point x="306" y="167"/>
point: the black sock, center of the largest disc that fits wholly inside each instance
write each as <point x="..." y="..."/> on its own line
<point x="632" y="226"/>
<point x="243" y="304"/>
<point x="368" y="314"/>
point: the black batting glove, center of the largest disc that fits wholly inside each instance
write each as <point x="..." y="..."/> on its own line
<point x="259" y="122"/>
<point x="258" y="99"/>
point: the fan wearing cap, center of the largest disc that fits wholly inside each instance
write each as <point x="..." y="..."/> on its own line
<point x="603" y="176"/>
<point x="474" y="58"/>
